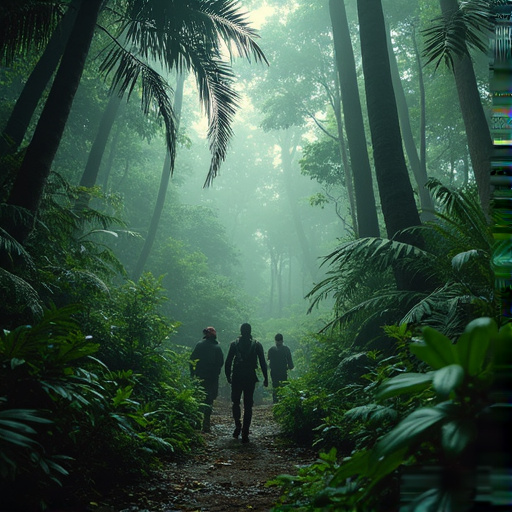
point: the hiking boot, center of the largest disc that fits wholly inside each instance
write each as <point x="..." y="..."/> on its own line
<point x="236" y="432"/>
<point x="245" y="438"/>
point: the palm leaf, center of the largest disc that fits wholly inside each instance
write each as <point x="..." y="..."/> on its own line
<point x="452" y="33"/>
<point x="127" y="69"/>
<point x="26" y="25"/>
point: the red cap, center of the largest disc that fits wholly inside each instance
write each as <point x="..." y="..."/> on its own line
<point x="210" y="331"/>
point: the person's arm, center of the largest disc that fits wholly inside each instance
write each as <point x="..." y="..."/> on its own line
<point x="229" y="362"/>
<point x="263" y="363"/>
<point x="220" y="359"/>
<point x="290" y="360"/>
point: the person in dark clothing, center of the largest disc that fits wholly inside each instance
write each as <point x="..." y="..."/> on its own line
<point x="206" y="363"/>
<point x="243" y="356"/>
<point x="280" y="360"/>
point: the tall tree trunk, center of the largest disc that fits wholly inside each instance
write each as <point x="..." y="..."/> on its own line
<point x="423" y="106"/>
<point x="164" y="184"/>
<point x="418" y="170"/>
<point x="473" y="115"/>
<point x="111" y="154"/>
<point x="396" y="194"/>
<point x="287" y="151"/>
<point x="28" y="187"/>
<point x="92" y="167"/>
<point x="367" y="220"/>
<point x="349" y="178"/>
<point x="17" y="124"/>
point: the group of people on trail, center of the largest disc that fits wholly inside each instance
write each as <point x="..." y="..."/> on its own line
<point x="244" y="354"/>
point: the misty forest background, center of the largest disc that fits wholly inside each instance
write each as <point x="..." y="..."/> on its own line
<point x="345" y="152"/>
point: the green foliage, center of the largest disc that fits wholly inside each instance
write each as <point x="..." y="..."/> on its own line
<point x="452" y="35"/>
<point x="454" y="262"/>
<point x="458" y="380"/>
<point x="301" y="409"/>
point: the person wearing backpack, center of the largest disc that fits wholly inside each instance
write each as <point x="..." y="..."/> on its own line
<point x="240" y="368"/>
<point x="206" y="363"/>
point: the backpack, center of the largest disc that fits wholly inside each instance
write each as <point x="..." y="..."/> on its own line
<point x="250" y="359"/>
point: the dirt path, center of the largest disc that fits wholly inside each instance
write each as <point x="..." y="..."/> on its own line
<point x="224" y="475"/>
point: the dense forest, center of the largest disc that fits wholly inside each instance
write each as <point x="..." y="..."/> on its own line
<point x="337" y="171"/>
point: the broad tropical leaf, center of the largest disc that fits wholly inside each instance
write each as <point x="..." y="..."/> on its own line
<point x="410" y="429"/>
<point x="447" y="379"/>
<point x="456" y="435"/>
<point x="404" y="383"/>
<point x="436" y="349"/>
<point x="473" y="344"/>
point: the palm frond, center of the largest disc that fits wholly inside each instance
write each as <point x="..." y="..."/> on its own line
<point x="382" y="252"/>
<point x="187" y="35"/>
<point x="127" y="69"/>
<point x="26" y="25"/>
<point x="231" y="24"/>
<point x="452" y="33"/>
<point x="379" y="305"/>
<point x="22" y="296"/>
<point x="460" y="209"/>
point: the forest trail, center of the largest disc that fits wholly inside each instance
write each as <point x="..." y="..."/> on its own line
<point x="224" y="475"/>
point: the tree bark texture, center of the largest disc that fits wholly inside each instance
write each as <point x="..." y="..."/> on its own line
<point x="475" y="122"/>
<point x="28" y="187"/>
<point x="395" y="190"/>
<point x="367" y="219"/>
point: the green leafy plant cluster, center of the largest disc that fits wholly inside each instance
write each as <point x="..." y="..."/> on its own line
<point x="443" y="430"/>
<point x="68" y="419"/>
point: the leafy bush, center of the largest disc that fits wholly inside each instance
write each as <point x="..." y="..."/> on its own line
<point x="442" y="431"/>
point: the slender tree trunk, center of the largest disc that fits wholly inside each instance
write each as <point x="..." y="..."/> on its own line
<point x="92" y="167"/>
<point x="419" y="171"/>
<point x="162" y="191"/>
<point x="473" y="115"/>
<point x="287" y="150"/>
<point x="367" y="220"/>
<point x="111" y="155"/>
<point x="423" y="106"/>
<point x="396" y="194"/>
<point x="17" y="124"/>
<point x="344" y="156"/>
<point x="280" y="284"/>
<point x="28" y="187"/>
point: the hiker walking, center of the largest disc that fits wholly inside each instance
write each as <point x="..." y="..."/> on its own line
<point x="206" y="363"/>
<point x="280" y="361"/>
<point x="241" y="363"/>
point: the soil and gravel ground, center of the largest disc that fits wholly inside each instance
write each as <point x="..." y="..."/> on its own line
<point x="224" y="475"/>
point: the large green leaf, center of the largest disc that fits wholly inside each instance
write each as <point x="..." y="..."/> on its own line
<point x="472" y="346"/>
<point x="437" y="350"/>
<point x="448" y="378"/>
<point x="351" y="466"/>
<point x="409" y="429"/>
<point x="456" y="435"/>
<point x="405" y="383"/>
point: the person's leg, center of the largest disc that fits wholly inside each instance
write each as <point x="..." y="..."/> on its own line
<point x="211" y="392"/>
<point x="248" y="403"/>
<point x="236" y="395"/>
<point x="277" y="382"/>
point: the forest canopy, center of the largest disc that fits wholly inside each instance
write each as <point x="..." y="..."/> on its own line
<point x="318" y="168"/>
